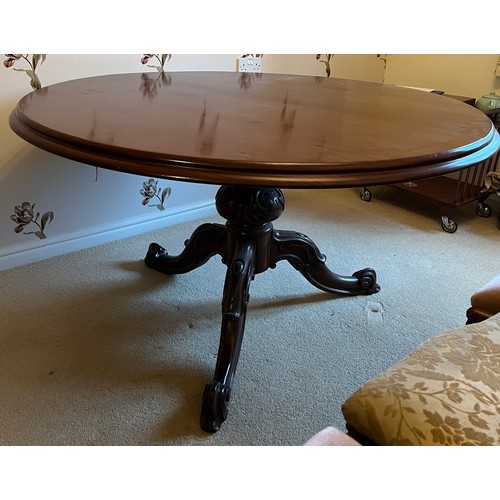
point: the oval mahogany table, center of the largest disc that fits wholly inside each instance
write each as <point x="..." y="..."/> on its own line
<point x="253" y="134"/>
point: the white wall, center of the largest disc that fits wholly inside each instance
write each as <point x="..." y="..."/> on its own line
<point x="471" y="75"/>
<point x="352" y="66"/>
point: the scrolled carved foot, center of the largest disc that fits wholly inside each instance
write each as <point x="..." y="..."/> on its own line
<point x="367" y="280"/>
<point x="155" y="252"/>
<point x="215" y="406"/>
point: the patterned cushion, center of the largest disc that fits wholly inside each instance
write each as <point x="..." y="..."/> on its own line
<point x="446" y="392"/>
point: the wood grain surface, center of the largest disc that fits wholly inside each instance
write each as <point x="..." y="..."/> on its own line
<point x="255" y="129"/>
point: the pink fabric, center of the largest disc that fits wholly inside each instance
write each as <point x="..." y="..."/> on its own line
<point x="331" y="436"/>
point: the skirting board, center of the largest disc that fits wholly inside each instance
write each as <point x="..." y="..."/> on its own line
<point x="80" y="240"/>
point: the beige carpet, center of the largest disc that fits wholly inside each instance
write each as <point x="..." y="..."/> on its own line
<point x="97" y="349"/>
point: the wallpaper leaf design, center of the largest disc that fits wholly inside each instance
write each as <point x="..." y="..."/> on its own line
<point x="24" y="214"/>
<point x="326" y="62"/>
<point x="162" y="60"/>
<point x="383" y="58"/>
<point x="151" y="190"/>
<point x="36" y="59"/>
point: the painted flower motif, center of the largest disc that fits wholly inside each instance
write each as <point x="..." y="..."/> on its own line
<point x="383" y="58"/>
<point x="11" y="59"/>
<point x="24" y="214"/>
<point x="326" y="62"/>
<point x="146" y="57"/>
<point x="162" y="60"/>
<point x="151" y="190"/>
<point x="35" y="60"/>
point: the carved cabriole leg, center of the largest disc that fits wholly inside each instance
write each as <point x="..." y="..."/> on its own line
<point x="240" y="272"/>
<point x="206" y="241"/>
<point x="304" y="255"/>
<point x="248" y="212"/>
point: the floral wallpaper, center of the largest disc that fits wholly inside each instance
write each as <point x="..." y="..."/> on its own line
<point x="151" y="190"/>
<point x="32" y="64"/>
<point x="24" y="214"/>
<point x="327" y="60"/>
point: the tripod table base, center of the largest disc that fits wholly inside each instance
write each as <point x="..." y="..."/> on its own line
<point x="248" y="245"/>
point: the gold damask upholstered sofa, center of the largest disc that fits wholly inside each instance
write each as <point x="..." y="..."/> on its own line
<point x="446" y="392"/>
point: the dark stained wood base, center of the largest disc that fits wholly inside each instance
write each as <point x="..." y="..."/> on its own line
<point x="248" y="245"/>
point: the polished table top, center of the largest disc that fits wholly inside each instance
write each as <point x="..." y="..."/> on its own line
<point x="255" y="129"/>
